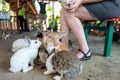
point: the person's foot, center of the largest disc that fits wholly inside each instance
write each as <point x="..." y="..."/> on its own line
<point x="83" y="55"/>
<point x="26" y="30"/>
<point x="20" y="32"/>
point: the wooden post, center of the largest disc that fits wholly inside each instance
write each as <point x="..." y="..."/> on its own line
<point x="16" y="10"/>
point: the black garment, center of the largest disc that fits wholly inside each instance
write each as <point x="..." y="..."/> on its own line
<point x="42" y="8"/>
<point x="23" y="23"/>
<point x="105" y="9"/>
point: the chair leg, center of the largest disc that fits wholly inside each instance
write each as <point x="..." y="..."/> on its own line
<point x="86" y="31"/>
<point x="108" y="40"/>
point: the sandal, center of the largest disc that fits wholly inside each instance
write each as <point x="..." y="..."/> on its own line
<point x="85" y="57"/>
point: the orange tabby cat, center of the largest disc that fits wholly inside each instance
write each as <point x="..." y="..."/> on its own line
<point x="50" y="37"/>
<point x="54" y="39"/>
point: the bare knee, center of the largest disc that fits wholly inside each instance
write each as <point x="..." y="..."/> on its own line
<point x="61" y="11"/>
<point x="67" y="14"/>
<point x="80" y="13"/>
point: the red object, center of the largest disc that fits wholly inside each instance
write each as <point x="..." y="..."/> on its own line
<point x="115" y="19"/>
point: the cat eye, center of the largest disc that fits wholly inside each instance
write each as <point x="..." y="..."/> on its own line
<point x="49" y="36"/>
<point x="35" y="42"/>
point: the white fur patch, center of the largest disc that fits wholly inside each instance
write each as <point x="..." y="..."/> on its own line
<point x="57" y="77"/>
<point x="49" y="49"/>
<point x="49" y="65"/>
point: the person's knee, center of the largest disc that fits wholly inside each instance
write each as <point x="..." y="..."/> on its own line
<point x="78" y="13"/>
<point x="81" y="12"/>
<point x="66" y="13"/>
<point x="61" y="12"/>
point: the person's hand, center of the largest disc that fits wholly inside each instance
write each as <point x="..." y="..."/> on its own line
<point x="74" y="4"/>
<point x="58" y="0"/>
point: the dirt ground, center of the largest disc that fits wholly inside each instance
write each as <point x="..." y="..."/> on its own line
<point x="98" y="68"/>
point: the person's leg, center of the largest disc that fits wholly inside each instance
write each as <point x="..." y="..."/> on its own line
<point x="21" y="23"/>
<point x="64" y="27"/>
<point x="41" y="26"/>
<point x="41" y="20"/>
<point x="45" y="23"/>
<point x="26" y="26"/>
<point x="74" y="23"/>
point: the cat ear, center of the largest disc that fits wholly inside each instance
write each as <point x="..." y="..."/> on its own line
<point x="40" y="34"/>
<point x="62" y="34"/>
<point x="27" y="39"/>
<point x="53" y="51"/>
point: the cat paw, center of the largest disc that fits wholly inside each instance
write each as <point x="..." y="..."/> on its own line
<point x="57" y="78"/>
<point x="31" y="67"/>
<point x="47" y="72"/>
<point x="28" y="69"/>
